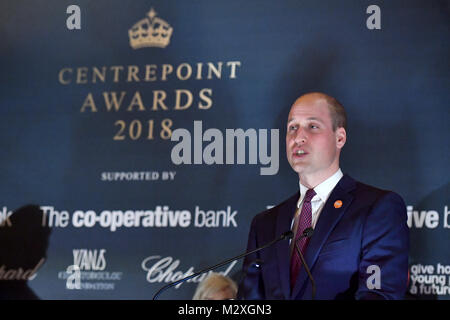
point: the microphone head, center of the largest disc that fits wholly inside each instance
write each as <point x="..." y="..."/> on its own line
<point x="257" y="263"/>
<point x="308" y="232"/>
<point x="287" y="235"/>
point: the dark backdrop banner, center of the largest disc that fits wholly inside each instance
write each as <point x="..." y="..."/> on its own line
<point x="145" y="135"/>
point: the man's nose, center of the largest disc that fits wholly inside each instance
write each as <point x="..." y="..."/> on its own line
<point x="300" y="137"/>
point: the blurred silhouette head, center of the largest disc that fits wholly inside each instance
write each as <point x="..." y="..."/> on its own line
<point x="23" y="247"/>
<point x="24" y="242"/>
<point x="216" y="287"/>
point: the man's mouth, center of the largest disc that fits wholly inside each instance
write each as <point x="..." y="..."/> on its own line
<point x="300" y="152"/>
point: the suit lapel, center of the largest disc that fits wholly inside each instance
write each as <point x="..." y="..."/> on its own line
<point x="284" y="218"/>
<point x="328" y="219"/>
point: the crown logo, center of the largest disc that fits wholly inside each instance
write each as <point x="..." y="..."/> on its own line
<point x="150" y="32"/>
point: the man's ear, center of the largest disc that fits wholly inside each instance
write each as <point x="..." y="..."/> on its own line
<point x="341" y="137"/>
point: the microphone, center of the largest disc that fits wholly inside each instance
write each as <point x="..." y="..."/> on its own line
<point x="251" y="272"/>
<point x="307" y="233"/>
<point x="255" y="264"/>
<point x="286" y="235"/>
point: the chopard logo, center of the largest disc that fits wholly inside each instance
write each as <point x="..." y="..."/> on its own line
<point x="20" y="273"/>
<point x="164" y="270"/>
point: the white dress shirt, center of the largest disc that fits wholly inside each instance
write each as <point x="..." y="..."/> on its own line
<point x="323" y="191"/>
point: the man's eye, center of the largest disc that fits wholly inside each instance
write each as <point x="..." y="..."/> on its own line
<point x="313" y="126"/>
<point x="292" y="128"/>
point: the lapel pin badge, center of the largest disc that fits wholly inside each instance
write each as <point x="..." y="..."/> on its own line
<point x="338" y="204"/>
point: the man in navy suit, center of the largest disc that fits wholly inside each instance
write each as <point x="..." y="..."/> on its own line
<point x="359" y="246"/>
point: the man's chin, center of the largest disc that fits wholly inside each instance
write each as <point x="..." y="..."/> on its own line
<point x="299" y="168"/>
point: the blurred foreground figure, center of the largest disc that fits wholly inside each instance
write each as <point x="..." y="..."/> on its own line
<point x="216" y="287"/>
<point x="23" y="247"/>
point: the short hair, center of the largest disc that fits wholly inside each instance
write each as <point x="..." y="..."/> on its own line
<point x="337" y="113"/>
<point x="213" y="283"/>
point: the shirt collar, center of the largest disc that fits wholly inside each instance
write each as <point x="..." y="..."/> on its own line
<point x="322" y="190"/>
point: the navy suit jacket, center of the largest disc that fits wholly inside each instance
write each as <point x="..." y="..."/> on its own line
<point x="370" y="228"/>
